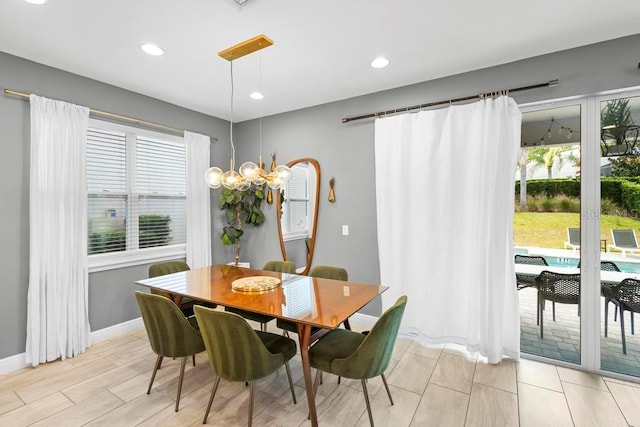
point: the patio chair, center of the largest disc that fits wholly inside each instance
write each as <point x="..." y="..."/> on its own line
<point x="557" y="287"/>
<point x="573" y="235"/>
<point x="607" y="292"/>
<point x="524" y="282"/>
<point x="624" y="241"/>
<point x="627" y="294"/>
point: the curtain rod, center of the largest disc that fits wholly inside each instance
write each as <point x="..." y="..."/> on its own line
<point x="550" y="83"/>
<point x="137" y="122"/>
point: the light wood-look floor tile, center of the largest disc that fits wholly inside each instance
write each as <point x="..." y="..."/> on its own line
<point x="384" y="414"/>
<point x="628" y="399"/>
<point x="412" y="373"/>
<point x="39" y="389"/>
<point x="431" y="386"/>
<point x="500" y="375"/>
<point x="586" y="379"/>
<point x="538" y="374"/>
<point x="431" y="351"/>
<point x="441" y="407"/>
<point x="88" y="409"/>
<point x="541" y="407"/>
<point x="491" y="407"/>
<point x="591" y="407"/>
<point x="454" y="372"/>
<point x="36" y="411"/>
<point x="9" y="400"/>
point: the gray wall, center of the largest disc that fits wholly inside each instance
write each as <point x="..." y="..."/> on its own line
<point x="346" y="150"/>
<point x="343" y="150"/>
<point x="110" y="300"/>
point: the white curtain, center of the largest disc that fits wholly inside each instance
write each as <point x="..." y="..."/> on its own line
<point x="198" y="201"/>
<point x="57" y="301"/>
<point x="445" y="199"/>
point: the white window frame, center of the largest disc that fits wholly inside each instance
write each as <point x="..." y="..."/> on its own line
<point x="300" y="234"/>
<point x="133" y="256"/>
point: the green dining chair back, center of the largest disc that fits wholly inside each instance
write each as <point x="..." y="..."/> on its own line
<point x="170" y="333"/>
<point x="280" y="266"/>
<point x="170" y="267"/>
<point x="239" y="353"/>
<point x="352" y="355"/>
<point x="263" y="319"/>
<point x="325" y="272"/>
<point x="164" y="268"/>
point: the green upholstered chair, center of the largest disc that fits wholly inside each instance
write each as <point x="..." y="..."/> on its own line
<point x="170" y="333"/>
<point x="263" y="319"/>
<point x="163" y="268"/>
<point x="325" y="272"/>
<point x="238" y="353"/>
<point x="352" y="355"/>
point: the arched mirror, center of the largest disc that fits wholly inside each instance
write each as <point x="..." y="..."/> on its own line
<point x="297" y="210"/>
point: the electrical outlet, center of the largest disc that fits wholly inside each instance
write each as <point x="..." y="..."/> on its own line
<point x="345" y="230"/>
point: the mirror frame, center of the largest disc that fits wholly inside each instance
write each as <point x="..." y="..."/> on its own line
<point x="314" y="226"/>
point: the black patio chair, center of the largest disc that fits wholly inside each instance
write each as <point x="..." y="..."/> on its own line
<point x="557" y="287"/>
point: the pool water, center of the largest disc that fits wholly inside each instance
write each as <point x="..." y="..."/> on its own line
<point x="626" y="267"/>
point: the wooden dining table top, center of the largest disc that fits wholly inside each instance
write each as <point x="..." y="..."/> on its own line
<point x="319" y="302"/>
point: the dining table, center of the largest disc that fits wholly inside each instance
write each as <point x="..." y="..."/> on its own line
<point x="314" y="304"/>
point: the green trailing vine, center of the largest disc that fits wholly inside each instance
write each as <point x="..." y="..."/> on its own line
<point x="241" y="207"/>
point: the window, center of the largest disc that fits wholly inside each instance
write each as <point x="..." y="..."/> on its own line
<point x="295" y="209"/>
<point x="136" y="183"/>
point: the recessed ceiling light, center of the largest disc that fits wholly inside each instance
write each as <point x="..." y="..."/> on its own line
<point x="152" y="49"/>
<point x="256" y="95"/>
<point x="380" y="62"/>
<point x="36" y="1"/>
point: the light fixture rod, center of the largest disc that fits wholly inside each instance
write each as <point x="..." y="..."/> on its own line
<point x="246" y="47"/>
<point x="550" y="83"/>
<point x="120" y="117"/>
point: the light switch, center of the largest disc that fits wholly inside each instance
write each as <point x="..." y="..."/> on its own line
<point x="345" y="230"/>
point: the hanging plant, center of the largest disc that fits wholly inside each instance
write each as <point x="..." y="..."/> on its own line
<point x="241" y="207"/>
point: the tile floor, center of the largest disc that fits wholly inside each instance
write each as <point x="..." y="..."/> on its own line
<point x="562" y="337"/>
<point x="431" y="386"/>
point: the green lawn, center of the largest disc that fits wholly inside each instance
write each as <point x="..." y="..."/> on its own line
<point x="549" y="229"/>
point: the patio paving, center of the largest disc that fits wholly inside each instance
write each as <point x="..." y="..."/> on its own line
<point x="562" y="337"/>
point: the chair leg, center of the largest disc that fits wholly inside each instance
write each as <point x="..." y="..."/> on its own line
<point x="606" y="315"/>
<point x="384" y="380"/>
<point x="624" y="342"/>
<point x="194" y="360"/>
<point x="251" y="391"/>
<point x="155" y="369"/>
<point x="553" y="306"/>
<point x="542" y="320"/>
<point x="182" y="365"/>
<point x="632" y="331"/>
<point x="213" y="393"/>
<point x="293" y="393"/>
<point x="366" y="400"/>
<point x="346" y="324"/>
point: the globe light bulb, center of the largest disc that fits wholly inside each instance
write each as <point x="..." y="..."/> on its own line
<point x="249" y="170"/>
<point x="283" y="173"/>
<point x="213" y="177"/>
<point x="229" y="179"/>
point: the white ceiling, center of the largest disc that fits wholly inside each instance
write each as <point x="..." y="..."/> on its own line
<point x="322" y="48"/>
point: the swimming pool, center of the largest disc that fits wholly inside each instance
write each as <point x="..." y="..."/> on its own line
<point x="626" y="267"/>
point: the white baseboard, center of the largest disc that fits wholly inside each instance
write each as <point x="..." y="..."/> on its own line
<point x="18" y="361"/>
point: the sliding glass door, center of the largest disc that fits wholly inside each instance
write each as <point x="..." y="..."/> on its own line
<point x="619" y="229"/>
<point x="547" y="232"/>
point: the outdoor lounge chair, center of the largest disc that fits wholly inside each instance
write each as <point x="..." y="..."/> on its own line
<point x="573" y="234"/>
<point x="624" y="241"/>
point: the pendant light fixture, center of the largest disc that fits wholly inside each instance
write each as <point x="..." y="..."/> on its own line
<point x="249" y="173"/>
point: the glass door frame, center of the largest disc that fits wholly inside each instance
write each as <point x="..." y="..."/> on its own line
<point x="590" y="299"/>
